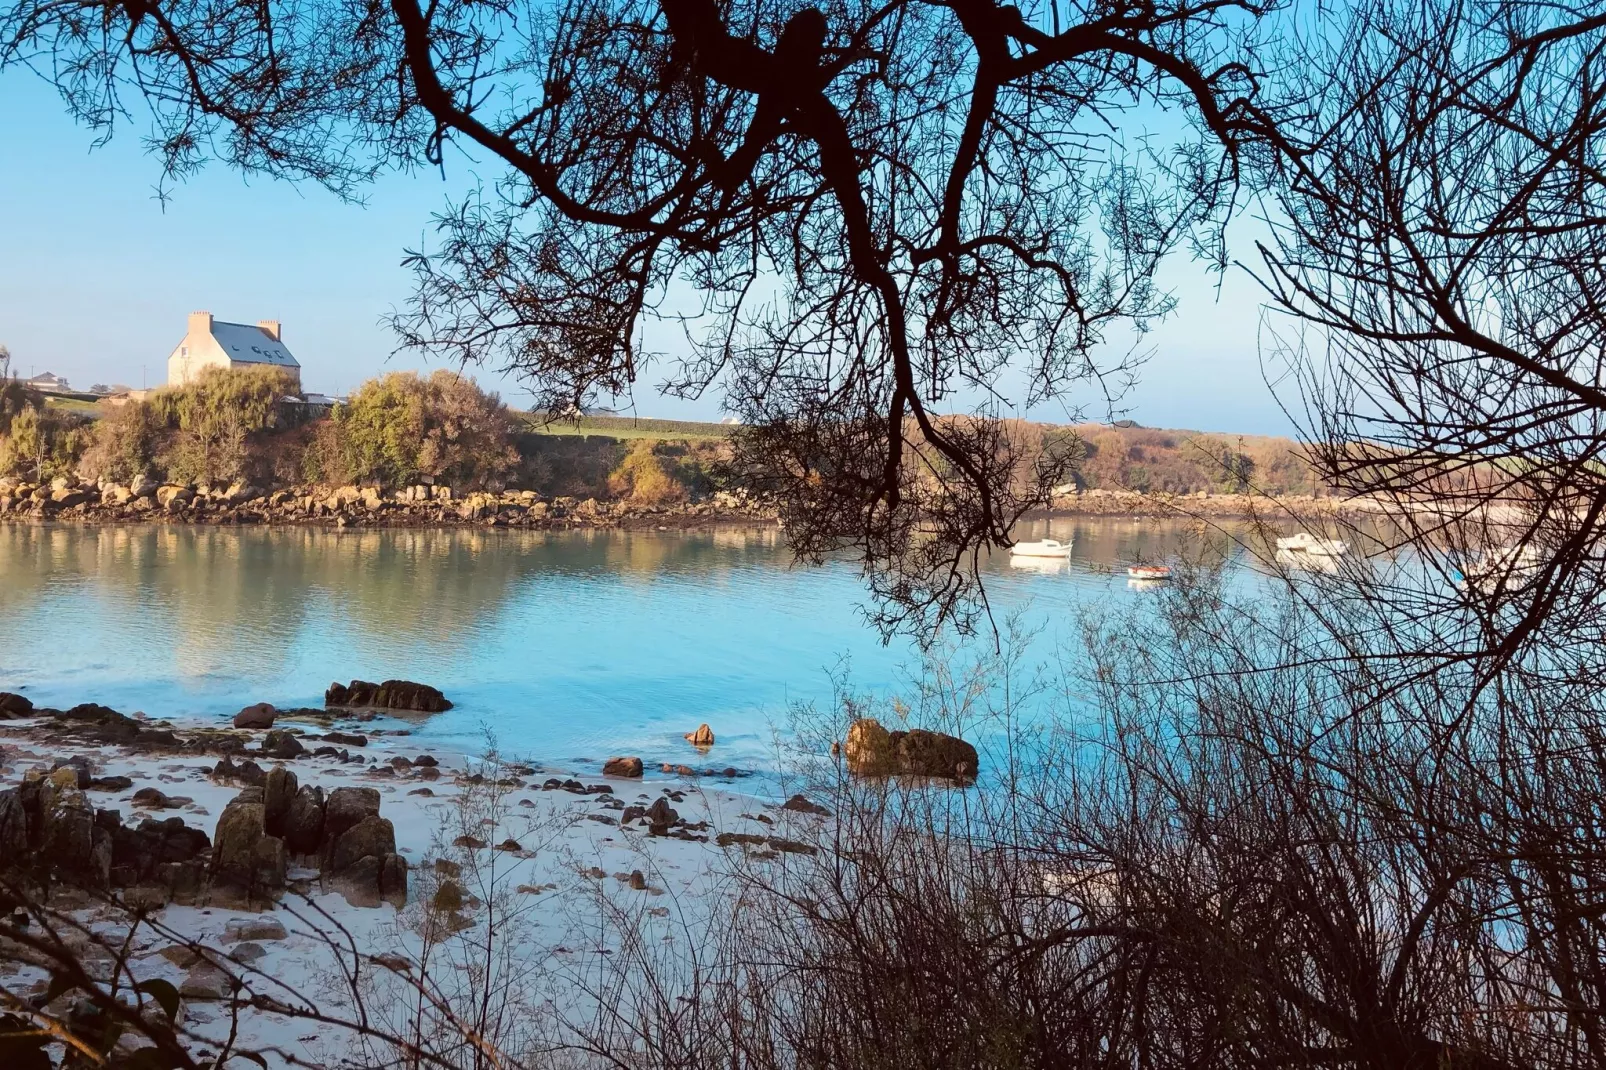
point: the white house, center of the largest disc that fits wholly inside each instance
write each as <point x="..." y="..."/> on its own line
<point x="214" y="343"/>
<point x="49" y="383"/>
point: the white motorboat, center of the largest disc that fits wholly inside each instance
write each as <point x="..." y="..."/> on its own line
<point x="1041" y="548"/>
<point x="1301" y="561"/>
<point x="1048" y="566"/>
<point x="1306" y="543"/>
<point x="1499" y="567"/>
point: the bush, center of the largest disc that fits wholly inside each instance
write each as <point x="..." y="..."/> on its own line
<point x="214" y="417"/>
<point x="14" y="397"/>
<point x="36" y="442"/>
<point x="402" y="429"/>
<point x="125" y="443"/>
<point x="644" y="478"/>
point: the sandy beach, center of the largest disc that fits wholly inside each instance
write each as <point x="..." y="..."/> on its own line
<point x="541" y="881"/>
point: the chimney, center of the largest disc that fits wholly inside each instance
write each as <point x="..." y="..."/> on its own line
<point x="200" y="323"/>
<point x="270" y="328"/>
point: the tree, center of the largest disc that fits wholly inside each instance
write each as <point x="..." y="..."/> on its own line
<point x="899" y="219"/>
<point x="1437" y="263"/>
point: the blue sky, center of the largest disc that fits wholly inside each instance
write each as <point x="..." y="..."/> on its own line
<point x="97" y="276"/>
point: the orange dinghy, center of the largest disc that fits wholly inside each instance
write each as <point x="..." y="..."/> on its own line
<point x="1149" y="572"/>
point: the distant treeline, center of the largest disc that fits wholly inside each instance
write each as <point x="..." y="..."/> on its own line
<point x="401" y="429"/>
<point x="1185" y="462"/>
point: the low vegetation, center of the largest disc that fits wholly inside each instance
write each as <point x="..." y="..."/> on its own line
<point x="403" y="429"/>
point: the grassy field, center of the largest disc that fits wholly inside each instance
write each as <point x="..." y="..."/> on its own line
<point x="628" y="427"/>
<point x="82" y="408"/>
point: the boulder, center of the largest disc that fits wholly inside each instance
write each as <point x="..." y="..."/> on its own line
<point x="14" y="705"/>
<point x="869" y="747"/>
<point x="279" y="743"/>
<point x="303" y="823"/>
<point x="703" y="737"/>
<point x="111" y="783"/>
<point x="170" y="496"/>
<point x="373" y="880"/>
<point x="246" y="772"/>
<point x="242" y="929"/>
<point x="934" y="754"/>
<point x="390" y="695"/>
<point x="346" y="807"/>
<point x="68" y="826"/>
<point x="373" y="835"/>
<point x="80" y="767"/>
<point x="873" y="751"/>
<point x="68" y="497"/>
<point x="160" y="852"/>
<point x="260" y="715"/>
<point x="244" y="857"/>
<point x="142" y="487"/>
<point x="801" y="804"/>
<point x="364" y="866"/>
<point x="660" y="815"/>
<point x="100" y="723"/>
<point x="239" y="493"/>
<point x="622" y="767"/>
<point x="156" y="799"/>
<point x="205" y="982"/>
<point x="278" y="792"/>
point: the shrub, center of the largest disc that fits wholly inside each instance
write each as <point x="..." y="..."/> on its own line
<point x="124" y="443"/>
<point x="15" y="397"/>
<point x="644" y="478"/>
<point x="403" y="428"/>
<point x="214" y="417"/>
<point x="40" y="444"/>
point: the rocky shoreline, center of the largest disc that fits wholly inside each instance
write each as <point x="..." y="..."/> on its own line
<point x="144" y="500"/>
<point x="218" y="862"/>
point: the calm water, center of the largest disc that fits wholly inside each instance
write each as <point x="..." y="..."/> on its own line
<point x="566" y="646"/>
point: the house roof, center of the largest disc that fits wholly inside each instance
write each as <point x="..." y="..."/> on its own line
<point x="250" y="344"/>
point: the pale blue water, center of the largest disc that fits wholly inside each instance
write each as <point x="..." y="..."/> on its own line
<point x="569" y="647"/>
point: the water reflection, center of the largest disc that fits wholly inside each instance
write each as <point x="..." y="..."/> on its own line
<point x="563" y="644"/>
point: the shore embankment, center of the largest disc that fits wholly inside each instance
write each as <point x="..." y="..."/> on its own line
<point x="144" y="500"/>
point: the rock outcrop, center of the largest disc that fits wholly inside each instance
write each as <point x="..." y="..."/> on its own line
<point x="702" y="738"/>
<point x="629" y="768"/>
<point x="245" y="859"/>
<point x="14" y="705"/>
<point x="303" y="822"/>
<point x="390" y="695"/>
<point x="279" y="743"/>
<point x="871" y="750"/>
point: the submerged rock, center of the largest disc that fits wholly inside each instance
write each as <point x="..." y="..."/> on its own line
<point x="390" y="695"/>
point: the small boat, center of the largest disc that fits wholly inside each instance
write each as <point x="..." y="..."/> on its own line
<point x="1500" y="567"/>
<point x="1301" y="561"/>
<point x="1045" y="565"/>
<point x="1149" y="572"/>
<point x="1041" y="548"/>
<point x="1306" y="543"/>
